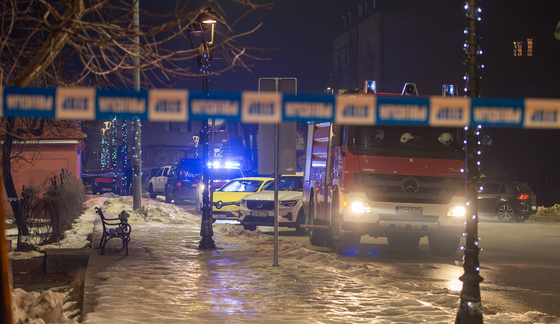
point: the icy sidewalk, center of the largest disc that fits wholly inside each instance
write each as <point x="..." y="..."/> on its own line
<point x="166" y="279"/>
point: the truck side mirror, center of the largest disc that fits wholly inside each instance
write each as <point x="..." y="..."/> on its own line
<point x="487" y="140"/>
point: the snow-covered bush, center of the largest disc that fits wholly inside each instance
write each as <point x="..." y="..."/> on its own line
<point x="549" y="211"/>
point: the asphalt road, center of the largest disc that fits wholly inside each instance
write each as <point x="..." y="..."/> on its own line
<point x="519" y="264"/>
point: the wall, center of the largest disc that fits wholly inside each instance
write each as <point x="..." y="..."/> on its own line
<point x="46" y="165"/>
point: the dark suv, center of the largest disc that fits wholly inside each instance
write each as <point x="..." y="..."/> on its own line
<point x="508" y="200"/>
<point x="183" y="180"/>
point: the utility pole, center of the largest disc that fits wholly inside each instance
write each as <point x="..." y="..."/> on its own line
<point x="276" y="186"/>
<point x="137" y="149"/>
<point x="470" y="306"/>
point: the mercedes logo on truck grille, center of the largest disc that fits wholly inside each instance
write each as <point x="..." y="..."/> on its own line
<point x="410" y="185"/>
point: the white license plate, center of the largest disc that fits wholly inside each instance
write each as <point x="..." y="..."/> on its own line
<point x="259" y="214"/>
<point x="534" y="207"/>
<point x="409" y="210"/>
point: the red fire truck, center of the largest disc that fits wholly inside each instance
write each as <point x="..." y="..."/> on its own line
<point x="398" y="182"/>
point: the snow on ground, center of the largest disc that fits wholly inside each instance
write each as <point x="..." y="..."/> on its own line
<point x="293" y="257"/>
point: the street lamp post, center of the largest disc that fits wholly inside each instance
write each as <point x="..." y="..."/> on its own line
<point x="206" y="21"/>
<point x="470" y="306"/>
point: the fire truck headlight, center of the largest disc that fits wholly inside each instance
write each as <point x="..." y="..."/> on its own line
<point x="456" y="211"/>
<point x="360" y="207"/>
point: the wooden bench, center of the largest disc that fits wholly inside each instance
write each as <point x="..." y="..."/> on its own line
<point x="114" y="228"/>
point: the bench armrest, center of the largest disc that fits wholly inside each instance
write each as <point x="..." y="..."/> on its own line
<point x="112" y="223"/>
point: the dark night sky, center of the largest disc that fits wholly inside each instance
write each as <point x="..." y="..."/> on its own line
<point x="302" y="31"/>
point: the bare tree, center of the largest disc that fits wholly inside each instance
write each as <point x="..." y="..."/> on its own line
<point x="77" y="42"/>
<point x="71" y="43"/>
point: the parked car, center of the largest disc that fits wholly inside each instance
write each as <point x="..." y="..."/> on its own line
<point x="183" y="180"/>
<point x="507" y="200"/>
<point x="105" y="184"/>
<point x="156" y="184"/>
<point x="258" y="209"/>
<point x="226" y="199"/>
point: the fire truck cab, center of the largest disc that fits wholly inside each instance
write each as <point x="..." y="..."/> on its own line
<point x="398" y="182"/>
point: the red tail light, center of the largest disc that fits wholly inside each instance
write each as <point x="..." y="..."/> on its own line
<point x="178" y="184"/>
<point x="523" y="197"/>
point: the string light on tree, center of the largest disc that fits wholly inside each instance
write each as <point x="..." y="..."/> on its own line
<point x="105" y="155"/>
<point x="114" y="151"/>
<point x="124" y="156"/>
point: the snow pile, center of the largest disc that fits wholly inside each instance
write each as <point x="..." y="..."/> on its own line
<point x="536" y="317"/>
<point x="548" y="211"/>
<point x="38" y="308"/>
<point x="150" y="212"/>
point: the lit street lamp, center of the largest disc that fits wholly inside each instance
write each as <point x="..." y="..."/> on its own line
<point x="205" y="22"/>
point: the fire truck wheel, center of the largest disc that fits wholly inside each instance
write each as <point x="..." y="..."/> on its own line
<point x="316" y="237"/>
<point x="349" y="245"/>
<point x="343" y="242"/>
<point x="443" y="245"/>
<point x="300" y="220"/>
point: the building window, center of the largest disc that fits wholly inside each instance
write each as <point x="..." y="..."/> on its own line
<point x="518" y="48"/>
<point x="529" y="47"/>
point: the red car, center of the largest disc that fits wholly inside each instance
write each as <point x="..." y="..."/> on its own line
<point x="101" y="185"/>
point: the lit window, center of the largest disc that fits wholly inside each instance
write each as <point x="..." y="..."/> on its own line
<point x="529" y="47"/>
<point x="517" y="48"/>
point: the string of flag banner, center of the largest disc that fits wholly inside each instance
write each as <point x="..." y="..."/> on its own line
<point x="174" y="105"/>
